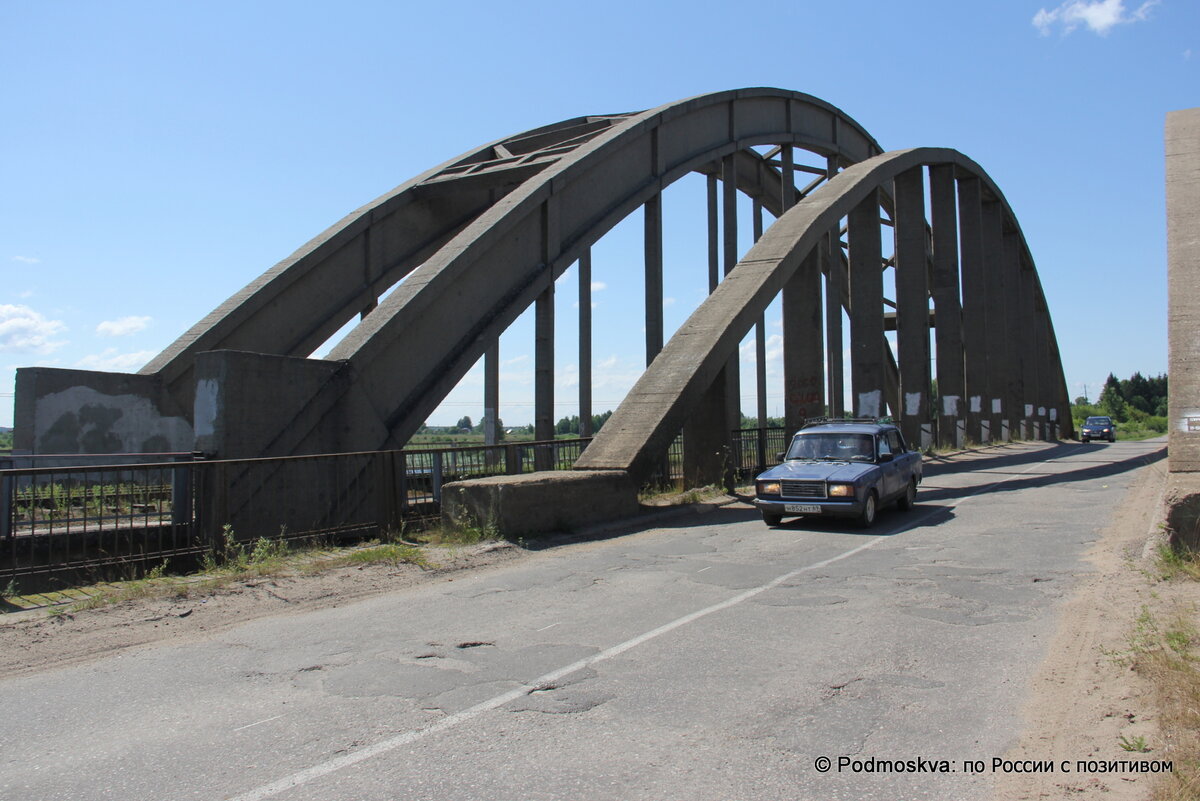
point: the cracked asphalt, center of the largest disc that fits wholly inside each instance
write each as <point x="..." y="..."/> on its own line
<point x="707" y="658"/>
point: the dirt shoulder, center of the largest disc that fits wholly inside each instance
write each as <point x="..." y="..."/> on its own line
<point x="44" y="639"/>
<point x="1086" y="699"/>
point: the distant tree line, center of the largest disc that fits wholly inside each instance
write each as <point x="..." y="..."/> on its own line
<point x="1138" y="402"/>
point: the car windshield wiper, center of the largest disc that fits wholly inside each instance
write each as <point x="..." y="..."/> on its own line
<point x="833" y="459"/>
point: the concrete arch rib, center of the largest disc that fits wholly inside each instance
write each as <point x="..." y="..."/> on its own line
<point x="655" y="410"/>
<point x="300" y="302"/>
<point x="408" y="353"/>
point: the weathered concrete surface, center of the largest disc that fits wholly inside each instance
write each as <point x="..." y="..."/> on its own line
<point x="84" y="411"/>
<point x="537" y="503"/>
<point x="1183" y="283"/>
<point x="672" y="389"/>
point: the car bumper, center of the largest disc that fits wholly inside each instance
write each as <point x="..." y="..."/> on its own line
<point x="827" y="508"/>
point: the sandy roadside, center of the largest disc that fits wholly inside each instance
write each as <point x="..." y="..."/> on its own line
<point x="1085" y="696"/>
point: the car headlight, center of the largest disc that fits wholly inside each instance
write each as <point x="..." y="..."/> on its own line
<point x="769" y="488"/>
<point x="841" y="490"/>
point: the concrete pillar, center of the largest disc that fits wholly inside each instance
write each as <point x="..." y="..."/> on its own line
<point x="733" y="382"/>
<point x="1182" y="136"/>
<point x="912" y="307"/>
<point x="491" y="393"/>
<point x="946" y="304"/>
<point x="654" y="277"/>
<point x="1041" y="352"/>
<point x="585" y="343"/>
<point x="788" y="176"/>
<point x="1014" y="400"/>
<point x="760" y="339"/>
<point x="996" y="298"/>
<point x="543" y="356"/>
<point x="706" y="441"/>
<point x="974" y="304"/>
<point x="834" y="341"/>
<point x="1027" y="322"/>
<point x="866" y="309"/>
<point x="803" y="343"/>
<point x="713" y="251"/>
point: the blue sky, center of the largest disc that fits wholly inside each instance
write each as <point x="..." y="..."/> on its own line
<point x="156" y="157"/>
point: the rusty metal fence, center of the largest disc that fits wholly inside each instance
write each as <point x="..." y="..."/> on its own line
<point x="70" y="524"/>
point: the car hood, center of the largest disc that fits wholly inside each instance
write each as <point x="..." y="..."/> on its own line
<point x="819" y="471"/>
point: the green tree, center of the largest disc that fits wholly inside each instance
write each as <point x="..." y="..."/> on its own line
<point x="465" y="422"/>
<point x="1111" y="401"/>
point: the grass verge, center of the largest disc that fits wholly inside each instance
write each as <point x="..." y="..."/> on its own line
<point x="1165" y="648"/>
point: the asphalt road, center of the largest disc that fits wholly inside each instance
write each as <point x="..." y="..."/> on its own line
<point x="710" y="658"/>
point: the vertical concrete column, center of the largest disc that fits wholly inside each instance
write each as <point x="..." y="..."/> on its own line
<point x="996" y="346"/>
<point x="803" y="343"/>
<point x="866" y="308"/>
<point x="912" y="307"/>
<point x="729" y="232"/>
<point x="1027" y="344"/>
<point x="834" y="340"/>
<point x="543" y="350"/>
<point x="543" y="357"/>
<point x="1041" y="354"/>
<point x="946" y="304"/>
<point x="1182" y="135"/>
<point x="654" y="277"/>
<point x="787" y="176"/>
<point x="707" y="457"/>
<point x="585" y="343"/>
<point x="974" y="305"/>
<point x="1014" y="400"/>
<point x="491" y="393"/>
<point x="714" y="259"/>
<point x="836" y="287"/>
<point x="760" y="340"/>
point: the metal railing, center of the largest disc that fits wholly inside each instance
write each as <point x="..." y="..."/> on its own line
<point x="67" y="525"/>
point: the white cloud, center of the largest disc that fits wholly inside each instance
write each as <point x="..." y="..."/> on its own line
<point x="524" y="357"/>
<point x="112" y="360"/>
<point x="122" y="327"/>
<point x="668" y="302"/>
<point x="26" y="259"/>
<point x="598" y="286"/>
<point x="1099" y="16"/>
<point x="23" y="330"/>
<point x="609" y="363"/>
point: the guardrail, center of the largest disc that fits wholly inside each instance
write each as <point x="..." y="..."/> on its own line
<point x="65" y="525"/>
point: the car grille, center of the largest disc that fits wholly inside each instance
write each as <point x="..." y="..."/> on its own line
<point x="804" y="489"/>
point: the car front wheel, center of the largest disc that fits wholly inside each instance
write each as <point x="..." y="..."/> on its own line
<point x="866" y="518"/>
<point x="772" y="520"/>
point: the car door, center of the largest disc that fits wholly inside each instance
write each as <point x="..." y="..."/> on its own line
<point x="890" y="483"/>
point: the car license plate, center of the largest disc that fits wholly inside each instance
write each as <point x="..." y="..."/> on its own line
<point x="802" y="508"/>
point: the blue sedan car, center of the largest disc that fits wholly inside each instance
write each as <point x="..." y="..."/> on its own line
<point x="844" y="468"/>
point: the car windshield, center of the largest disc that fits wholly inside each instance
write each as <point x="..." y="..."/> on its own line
<point x="1098" y="421"/>
<point x="829" y="446"/>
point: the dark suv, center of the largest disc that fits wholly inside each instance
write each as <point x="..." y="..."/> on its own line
<point x="1098" y="428"/>
<point x="841" y="468"/>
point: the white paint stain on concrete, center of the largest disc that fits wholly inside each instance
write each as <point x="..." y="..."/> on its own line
<point x="950" y="405"/>
<point x="1029" y="410"/>
<point x="976" y="404"/>
<point x="207" y="402"/>
<point x="869" y="403"/>
<point x="912" y="403"/>
<point x="137" y="419"/>
<point x="996" y="406"/>
<point x="1053" y="415"/>
<point x="1188" y="421"/>
<point x="1041" y="411"/>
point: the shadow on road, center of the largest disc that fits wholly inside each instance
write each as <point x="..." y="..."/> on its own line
<point x="986" y="466"/>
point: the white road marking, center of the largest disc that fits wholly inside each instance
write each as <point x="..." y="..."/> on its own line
<point x="252" y="725"/>
<point x="552" y="625"/>
<point x="450" y="721"/>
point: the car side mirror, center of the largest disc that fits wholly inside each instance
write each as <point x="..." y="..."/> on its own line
<point x="886" y="457"/>
<point x="779" y="456"/>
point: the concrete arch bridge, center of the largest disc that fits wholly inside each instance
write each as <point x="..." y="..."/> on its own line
<point x="437" y="269"/>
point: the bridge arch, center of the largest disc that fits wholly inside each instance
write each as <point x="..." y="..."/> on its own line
<point x="1017" y="381"/>
<point x="466" y="247"/>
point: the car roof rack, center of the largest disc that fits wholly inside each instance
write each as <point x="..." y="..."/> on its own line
<point x="820" y="421"/>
